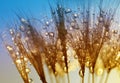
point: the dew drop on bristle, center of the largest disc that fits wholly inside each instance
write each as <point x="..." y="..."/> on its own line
<point x="17" y="53"/>
<point x="30" y="80"/>
<point x="11" y="32"/>
<point x="68" y="11"/>
<point x="51" y="34"/>
<point x="47" y="23"/>
<point x="75" y="15"/>
<point x="81" y="73"/>
<point x="100" y="19"/>
<point x="28" y="70"/>
<point x="18" y="61"/>
<point x="24" y="20"/>
<point x="18" y="35"/>
<point x="22" y="28"/>
<point x="9" y="48"/>
<point x="13" y="38"/>
<point x="28" y="32"/>
<point x="46" y="34"/>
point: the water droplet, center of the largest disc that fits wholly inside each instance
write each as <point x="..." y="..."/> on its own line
<point x="28" y="32"/>
<point x="99" y="71"/>
<point x="87" y="63"/>
<point x="63" y="58"/>
<point x="18" y="35"/>
<point x="75" y="15"/>
<point x="46" y="34"/>
<point x="17" y="53"/>
<point x="22" y="28"/>
<point x="68" y="10"/>
<point x="51" y="34"/>
<point x="72" y="24"/>
<point x="118" y="57"/>
<point x="25" y="59"/>
<point x="56" y="73"/>
<point x="24" y="20"/>
<point x="71" y="28"/>
<point x="91" y="69"/>
<point x="49" y="66"/>
<point x="11" y="31"/>
<point x="28" y="70"/>
<point x="65" y="69"/>
<point x="114" y="31"/>
<point x="51" y="20"/>
<point x="12" y="38"/>
<point x="76" y="57"/>
<point x="100" y="19"/>
<point x="18" y="61"/>
<point x="81" y="73"/>
<point x="47" y="23"/>
<point x="30" y="80"/>
<point x="9" y="48"/>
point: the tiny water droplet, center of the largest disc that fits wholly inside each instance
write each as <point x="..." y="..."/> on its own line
<point x="65" y="69"/>
<point x="47" y="23"/>
<point x="11" y="32"/>
<point x="25" y="59"/>
<point x="22" y="28"/>
<point x="30" y="80"/>
<point x="72" y="24"/>
<point x="9" y="48"/>
<point x="75" y="15"/>
<point x="18" y="35"/>
<point x="24" y="20"/>
<point x="114" y="31"/>
<point x="81" y="73"/>
<point x="12" y="38"/>
<point x="18" y="61"/>
<point x="28" y="70"/>
<point x="68" y="10"/>
<point x="28" y="32"/>
<point x="17" y="53"/>
<point x="91" y="69"/>
<point x="51" y="34"/>
<point x="100" y="19"/>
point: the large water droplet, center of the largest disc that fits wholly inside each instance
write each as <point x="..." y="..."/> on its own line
<point x="24" y="20"/>
<point x="68" y="11"/>
<point x="25" y="59"/>
<point x="75" y="15"/>
<point x="51" y="34"/>
<point x="47" y="23"/>
<point x="30" y="80"/>
<point x="28" y="70"/>
<point x="17" y="53"/>
<point x="81" y="73"/>
<point x="99" y="71"/>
